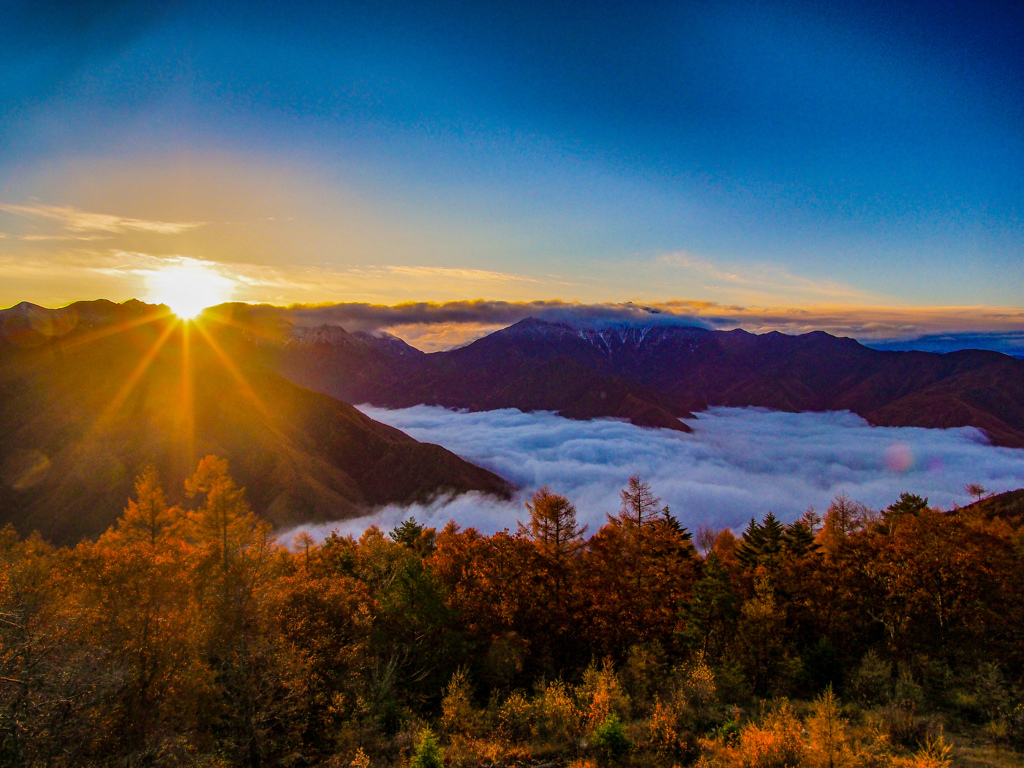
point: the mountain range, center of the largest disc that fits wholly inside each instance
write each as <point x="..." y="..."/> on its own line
<point x="92" y="393"/>
<point x="654" y="375"/>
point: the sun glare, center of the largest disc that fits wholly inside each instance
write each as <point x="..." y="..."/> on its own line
<point x="188" y="287"/>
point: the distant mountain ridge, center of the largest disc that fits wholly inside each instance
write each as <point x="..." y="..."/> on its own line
<point x="1007" y="342"/>
<point x="654" y="375"/>
<point x="501" y="370"/>
<point x="92" y="393"/>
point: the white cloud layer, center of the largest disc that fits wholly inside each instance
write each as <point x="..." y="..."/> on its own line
<point x="738" y="463"/>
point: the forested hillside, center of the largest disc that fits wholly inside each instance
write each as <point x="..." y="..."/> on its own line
<point x="189" y="636"/>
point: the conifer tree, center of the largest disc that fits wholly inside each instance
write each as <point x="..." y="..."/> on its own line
<point x="639" y="504"/>
<point x="771" y="549"/>
<point x="407" y="532"/>
<point x="798" y="538"/>
<point x="711" y="611"/>
<point x="147" y="517"/>
<point x="750" y="544"/>
<point x="907" y="504"/>
<point x="553" y="528"/>
<point x="639" y="507"/>
<point x="553" y="525"/>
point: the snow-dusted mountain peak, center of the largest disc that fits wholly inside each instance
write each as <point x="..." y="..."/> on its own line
<point x="608" y="335"/>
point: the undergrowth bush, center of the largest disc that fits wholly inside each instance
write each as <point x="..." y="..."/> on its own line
<point x="515" y="716"/>
<point x="828" y="746"/>
<point x="934" y="753"/>
<point x="457" y="712"/>
<point x="471" y="752"/>
<point x="609" y="742"/>
<point x="1015" y="727"/>
<point x="600" y="694"/>
<point x="557" y="715"/>
<point x="428" y="752"/>
<point x="773" y="742"/>
<point x="871" y="681"/>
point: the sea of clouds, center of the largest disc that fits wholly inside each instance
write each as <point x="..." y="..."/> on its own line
<point x="737" y="463"/>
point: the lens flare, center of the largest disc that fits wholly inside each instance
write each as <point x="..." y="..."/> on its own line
<point x="188" y="287"/>
<point x="899" y="458"/>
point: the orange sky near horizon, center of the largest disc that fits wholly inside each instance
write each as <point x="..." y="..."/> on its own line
<point x="217" y="230"/>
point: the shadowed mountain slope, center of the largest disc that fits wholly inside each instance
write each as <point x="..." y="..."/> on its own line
<point x="83" y="408"/>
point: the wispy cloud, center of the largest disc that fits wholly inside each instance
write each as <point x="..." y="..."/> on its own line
<point x="738" y="463"/>
<point x="760" y="282"/>
<point x="75" y="220"/>
<point x="447" y="273"/>
<point x="71" y="263"/>
<point x="61" y="238"/>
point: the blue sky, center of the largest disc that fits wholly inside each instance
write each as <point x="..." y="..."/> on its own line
<point x="769" y="154"/>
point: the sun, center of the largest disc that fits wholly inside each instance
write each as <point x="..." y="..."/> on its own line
<point x="188" y="287"/>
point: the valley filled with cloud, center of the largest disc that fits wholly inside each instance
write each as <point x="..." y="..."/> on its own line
<point x="738" y="463"/>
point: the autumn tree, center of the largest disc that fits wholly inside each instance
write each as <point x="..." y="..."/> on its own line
<point x="224" y="522"/>
<point x="639" y="508"/>
<point x="147" y="517"/>
<point x="553" y="529"/>
<point x="138" y="580"/>
<point x="842" y="518"/>
<point x="636" y="572"/>
<point x="705" y="539"/>
<point x="829" y="746"/>
<point x="725" y="547"/>
<point x="52" y="678"/>
<point x="977" y="491"/>
<point x="639" y="504"/>
<point x="235" y="577"/>
<point x="941" y="587"/>
<point x="552" y="526"/>
<point x="303" y="542"/>
<point x="322" y="617"/>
